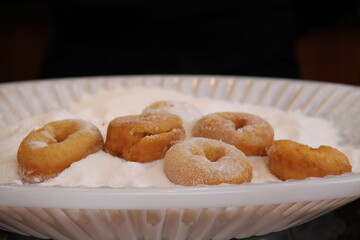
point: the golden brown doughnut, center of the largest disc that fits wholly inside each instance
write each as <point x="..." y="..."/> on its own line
<point x="143" y="138"/>
<point x="47" y="151"/>
<point x="206" y="161"/>
<point x="292" y="160"/>
<point x="249" y="133"/>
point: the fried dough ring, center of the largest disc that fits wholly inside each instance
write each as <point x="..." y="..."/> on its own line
<point x="184" y="110"/>
<point x="249" y="133"/>
<point x="143" y="138"/>
<point x="47" y="151"/>
<point x="292" y="160"/>
<point x="206" y="161"/>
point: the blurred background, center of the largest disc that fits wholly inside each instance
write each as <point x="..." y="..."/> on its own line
<point x="313" y="40"/>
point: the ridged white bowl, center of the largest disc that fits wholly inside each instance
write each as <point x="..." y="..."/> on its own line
<point x="203" y="212"/>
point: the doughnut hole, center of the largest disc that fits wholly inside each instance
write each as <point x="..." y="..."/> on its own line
<point x="240" y="124"/>
<point x="212" y="154"/>
<point x="60" y="132"/>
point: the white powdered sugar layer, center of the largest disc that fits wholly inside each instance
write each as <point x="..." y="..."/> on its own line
<point x="102" y="169"/>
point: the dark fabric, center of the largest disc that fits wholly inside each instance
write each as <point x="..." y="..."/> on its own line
<point x="172" y="37"/>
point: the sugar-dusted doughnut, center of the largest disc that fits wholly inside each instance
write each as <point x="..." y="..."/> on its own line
<point x="186" y="111"/>
<point x="47" y="151"/>
<point x="206" y="161"/>
<point x="293" y="160"/>
<point x="145" y="137"/>
<point x="249" y="133"/>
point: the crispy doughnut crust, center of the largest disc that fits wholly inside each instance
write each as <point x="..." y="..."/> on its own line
<point x="249" y="133"/>
<point x="292" y="160"/>
<point x="47" y="151"/>
<point x="143" y="138"/>
<point x="206" y="161"/>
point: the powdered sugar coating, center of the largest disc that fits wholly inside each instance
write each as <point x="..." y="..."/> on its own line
<point x="101" y="107"/>
<point x="206" y="161"/>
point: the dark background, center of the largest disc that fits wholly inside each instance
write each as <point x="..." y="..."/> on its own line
<point x="313" y="40"/>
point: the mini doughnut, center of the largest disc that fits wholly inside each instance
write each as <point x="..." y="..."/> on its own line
<point x="143" y="138"/>
<point x="249" y="133"/>
<point x="47" y="151"/>
<point x="206" y="161"/>
<point x="184" y="110"/>
<point x="292" y="160"/>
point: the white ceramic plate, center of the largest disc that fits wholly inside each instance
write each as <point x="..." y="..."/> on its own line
<point x="216" y="212"/>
